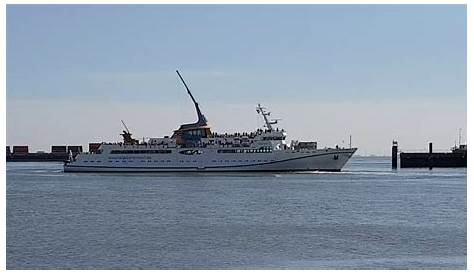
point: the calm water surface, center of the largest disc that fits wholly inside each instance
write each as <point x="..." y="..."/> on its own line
<point x="366" y="217"/>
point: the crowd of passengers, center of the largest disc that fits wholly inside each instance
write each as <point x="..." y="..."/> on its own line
<point x="244" y="134"/>
<point x="216" y="135"/>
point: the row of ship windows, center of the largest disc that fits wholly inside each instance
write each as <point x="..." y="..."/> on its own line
<point x="273" y="138"/>
<point x="160" y="151"/>
<point x="182" y="161"/>
<point x="253" y="161"/>
<point x="130" y="161"/>
<point x="262" y="150"/>
<point x="191" y="152"/>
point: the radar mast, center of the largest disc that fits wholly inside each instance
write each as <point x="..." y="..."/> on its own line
<point x="265" y="114"/>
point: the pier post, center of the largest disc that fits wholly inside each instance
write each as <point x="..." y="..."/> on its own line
<point x="394" y="154"/>
<point x="430" y="157"/>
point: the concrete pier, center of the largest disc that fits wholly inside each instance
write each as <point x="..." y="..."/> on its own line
<point x="456" y="158"/>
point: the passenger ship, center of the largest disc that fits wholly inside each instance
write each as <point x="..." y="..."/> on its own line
<point x="194" y="147"/>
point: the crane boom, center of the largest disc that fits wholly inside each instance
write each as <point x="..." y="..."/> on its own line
<point x="186" y="86"/>
<point x="125" y="126"/>
<point x="201" y="118"/>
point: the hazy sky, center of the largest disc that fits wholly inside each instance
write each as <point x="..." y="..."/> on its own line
<point x="378" y="72"/>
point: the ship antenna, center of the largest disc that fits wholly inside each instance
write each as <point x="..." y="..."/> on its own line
<point x="201" y="118"/>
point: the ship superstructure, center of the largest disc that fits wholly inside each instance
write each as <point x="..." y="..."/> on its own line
<point x="194" y="147"/>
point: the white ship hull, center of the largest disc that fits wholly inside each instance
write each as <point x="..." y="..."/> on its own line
<point x="210" y="161"/>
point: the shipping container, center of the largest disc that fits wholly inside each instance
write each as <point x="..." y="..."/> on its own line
<point x="58" y="149"/>
<point x="74" y="149"/>
<point x="20" y="149"/>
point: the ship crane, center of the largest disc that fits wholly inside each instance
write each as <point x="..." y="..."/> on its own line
<point x="266" y="114"/>
<point x="125" y="126"/>
<point x="127" y="136"/>
<point x="201" y="118"/>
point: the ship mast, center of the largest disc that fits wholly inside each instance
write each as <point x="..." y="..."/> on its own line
<point x="460" y="130"/>
<point x="201" y="119"/>
<point x="265" y="114"/>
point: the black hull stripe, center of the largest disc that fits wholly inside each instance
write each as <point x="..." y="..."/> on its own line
<point x="219" y="167"/>
<point x="204" y="171"/>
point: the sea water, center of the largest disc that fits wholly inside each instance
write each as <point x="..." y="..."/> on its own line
<point x="366" y="217"/>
